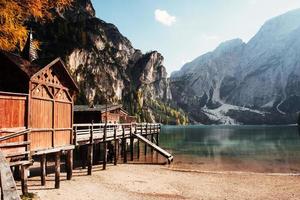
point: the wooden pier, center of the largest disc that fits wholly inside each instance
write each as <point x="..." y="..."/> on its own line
<point x="123" y="136"/>
<point x="123" y="140"/>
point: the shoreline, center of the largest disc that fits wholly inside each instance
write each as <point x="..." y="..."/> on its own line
<point x="162" y="182"/>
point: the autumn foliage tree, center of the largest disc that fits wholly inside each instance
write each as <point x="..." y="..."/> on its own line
<point x="14" y="14"/>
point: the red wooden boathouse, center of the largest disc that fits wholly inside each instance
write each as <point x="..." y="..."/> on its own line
<point x="36" y="112"/>
<point x="37" y="96"/>
<point x="99" y="113"/>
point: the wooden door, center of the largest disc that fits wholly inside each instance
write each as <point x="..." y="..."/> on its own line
<point x="13" y="117"/>
<point x="51" y="111"/>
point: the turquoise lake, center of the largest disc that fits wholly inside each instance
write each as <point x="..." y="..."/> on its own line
<point x="274" y="149"/>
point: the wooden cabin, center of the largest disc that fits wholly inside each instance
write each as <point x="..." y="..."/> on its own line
<point x="98" y="113"/>
<point x="38" y="96"/>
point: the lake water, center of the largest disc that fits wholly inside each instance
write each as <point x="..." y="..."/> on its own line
<point x="273" y="149"/>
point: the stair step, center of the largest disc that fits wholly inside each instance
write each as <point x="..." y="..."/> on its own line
<point x="9" y="155"/>
<point x="22" y="162"/>
<point x="14" y="144"/>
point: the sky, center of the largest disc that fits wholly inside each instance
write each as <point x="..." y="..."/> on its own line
<point x="182" y="30"/>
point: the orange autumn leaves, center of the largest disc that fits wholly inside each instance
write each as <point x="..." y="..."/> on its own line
<point x="14" y="13"/>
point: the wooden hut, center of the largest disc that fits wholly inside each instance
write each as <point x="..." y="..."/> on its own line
<point x="42" y="99"/>
<point x="35" y="96"/>
<point x="98" y="114"/>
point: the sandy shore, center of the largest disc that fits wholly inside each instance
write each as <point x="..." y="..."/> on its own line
<point x="163" y="182"/>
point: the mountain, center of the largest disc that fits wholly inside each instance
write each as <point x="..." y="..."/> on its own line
<point x="104" y="63"/>
<point x="250" y="83"/>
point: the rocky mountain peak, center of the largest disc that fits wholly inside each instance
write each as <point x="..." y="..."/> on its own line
<point x="259" y="79"/>
<point x="105" y="64"/>
<point x="281" y="25"/>
<point x="229" y="45"/>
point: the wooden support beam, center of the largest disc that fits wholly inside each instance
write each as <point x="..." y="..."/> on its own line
<point x="90" y="158"/>
<point x="138" y="143"/>
<point x="24" y="179"/>
<point x="43" y="169"/>
<point x="146" y="136"/>
<point x="57" y="170"/>
<point x="90" y="151"/>
<point x="83" y="155"/>
<point x="124" y="152"/>
<point x="116" y="149"/>
<point x="152" y="140"/>
<point x="131" y="143"/>
<point x="138" y="149"/>
<point x="75" y="136"/>
<point x="104" y="147"/>
<point x="16" y="172"/>
<point x="69" y="164"/>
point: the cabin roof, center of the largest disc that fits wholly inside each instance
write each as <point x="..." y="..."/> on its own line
<point x="48" y="62"/>
<point x="96" y="108"/>
<point x="32" y="68"/>
<point x="24" y="65"/>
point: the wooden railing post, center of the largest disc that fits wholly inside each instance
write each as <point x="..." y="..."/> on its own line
<point x="146" y="136"/>
<point x="27" y="139"/>
<point x="124" y="145"/>
<point x="75" y="135"/>
<point x="152" y="137"/>
<point x="157" y="137"/>
<point x="138" y="142"/>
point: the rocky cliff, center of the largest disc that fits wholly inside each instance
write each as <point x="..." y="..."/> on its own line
<point x="102" y="60"/>
<point x="254" y="82"/>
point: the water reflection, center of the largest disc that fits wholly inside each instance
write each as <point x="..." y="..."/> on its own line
<point x="254" y="148"/>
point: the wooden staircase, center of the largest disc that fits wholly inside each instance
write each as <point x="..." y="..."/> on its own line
<point x="8" y="185"/>
<point x="14" y="152"/>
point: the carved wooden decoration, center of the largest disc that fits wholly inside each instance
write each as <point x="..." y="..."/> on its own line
<point x="48" y="76"/>
<point x="41" y="91"/>
<point x="47" y="84"/>
<point x="63" y="95"/>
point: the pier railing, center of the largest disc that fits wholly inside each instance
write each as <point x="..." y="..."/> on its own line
<point x="85" y="133"/>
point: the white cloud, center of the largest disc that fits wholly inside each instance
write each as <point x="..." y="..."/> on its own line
<point x="164" y="17"/>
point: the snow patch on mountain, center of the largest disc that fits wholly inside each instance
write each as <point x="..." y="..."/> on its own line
<point x="219" y="114"/>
